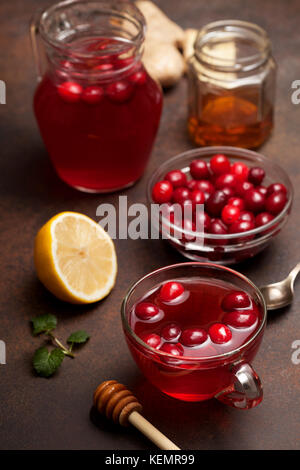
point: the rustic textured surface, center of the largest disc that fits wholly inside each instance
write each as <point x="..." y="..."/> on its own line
<point x="56" y="413"/>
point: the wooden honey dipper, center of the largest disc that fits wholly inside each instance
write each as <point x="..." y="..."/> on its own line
<point x="116" y="402"/>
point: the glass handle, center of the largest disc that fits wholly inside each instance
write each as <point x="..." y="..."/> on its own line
<point x="246" y="390"/>
<point x="34" y="30"/>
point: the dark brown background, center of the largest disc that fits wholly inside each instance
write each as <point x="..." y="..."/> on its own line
<point x="36" y="413"/>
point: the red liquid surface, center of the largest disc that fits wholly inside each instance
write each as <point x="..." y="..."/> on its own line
<point x="199" y="306"/>
<point x="102" y="146"/>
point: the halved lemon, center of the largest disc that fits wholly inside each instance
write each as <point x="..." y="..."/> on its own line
<point x="75" y="258"/>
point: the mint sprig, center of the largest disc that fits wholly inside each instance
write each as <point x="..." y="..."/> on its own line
<point x="47" y="362"/>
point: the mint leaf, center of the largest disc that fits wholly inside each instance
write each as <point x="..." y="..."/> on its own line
<point x="78" y="337"/>
<point x="43" y="323"/>
<point x="45" y="362"/>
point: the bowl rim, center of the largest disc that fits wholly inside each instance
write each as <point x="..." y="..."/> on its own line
<point x="235" y="151"/>
<point x="206" y="359"/>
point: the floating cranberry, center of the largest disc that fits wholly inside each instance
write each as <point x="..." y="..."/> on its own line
<point x="177" y="178"/>
<point x="235" y="299"/>
<point x="226" y="180"/>
<point x="242" y="187"/>
<point x="237" y="202"/>
<point x="263" y="218"/>
<point x="240" y="318"/>
<point x="241" y="226"/>
<point x="171" y="290"/>
<point x="122" y="63"/>
<point x="153" y="340"/>
<point x="220" y="333"/>
<point x="92" y="94"/>
<point x="256" y="175"/>
<point x="230" y="214"/>
<point x="240" y="170"/>
<point x="276" y="202"/>
<point x="219" y="164"/>
<point x="276" y="188"/>
<point x="254" y="200"/>
<point x="197" y="197"/>
<point x="247" y="216"/>
<point x="180" y="195"/>
<point x="138" y="77"/>
<point x="199" y="169"/>
<point x="193" y="336"/>
<point x="262" y="189"/>
<point x="174" y="349"/>
<point x="216" y="202"/>
<point x="146" y="310"/>
<point x="104" y="67"/>
<point x="70" y="92"/>
<point x="202" y="219"/>
<point x="171" y="332"/>
<point x="162" y="192"/>
<point x="119" y="91"/>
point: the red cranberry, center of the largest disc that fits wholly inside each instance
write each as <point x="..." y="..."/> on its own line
<point x="146" y="310"/>
<point x="162" y="192"/>
<point x="171" y="332"/>
<point x="153" y="340"/>
<point x="122" y="63"/>
<point x="230" y="192"/>
<point x="219" y="164"/>
<point x="263" y="218"/>
<point x="119" y="91"/>
<point x="216" y="202"/>
<point x="217" y="227"/>
<point x="171" y="290"/>
<point x="104" y="67"/>
<point x="180" y="195"/>
<point x="242" y="187"/>
<point x="219" y="333"/>
<point x="235" y="299"/>
<point x="70" y="92"/>
<point x="230" y="214"/>
<point x="202" y="219"/>
<point x="226" y="180"/>
<point x="206" y="187"/>
<point x="193" y="336"/>
<point x="240" y="170"/>
<point x="174" y="349"/>
<point x="256" y="175"/>
<point x="199" y="169"/>
<point x="241" y="226"/>
<point x="254" y="200"/>
<point x="237" y="202"/>
<point x="191" y="185"/>
<point x="247" y="216"/>
<point x="197" y="197"/>
<point x="276" y="188"/>
<point x="262" y="189"/>
<point x="138" y="77"/>
<point x="276" y="202"/>
<point x="92" y="94"/>
<point x="240" y="319"/>
<point x="177" y="178"/>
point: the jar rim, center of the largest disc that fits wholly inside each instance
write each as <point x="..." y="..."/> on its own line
<point x="133" y="15"/>
<point x="223" y="30"/>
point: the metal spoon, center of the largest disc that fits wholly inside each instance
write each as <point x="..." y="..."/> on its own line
<point x="280" y="294"/>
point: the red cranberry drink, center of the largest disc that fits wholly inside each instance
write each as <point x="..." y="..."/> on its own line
<point x="97" y="108"/>
<point x="196" y="333"/>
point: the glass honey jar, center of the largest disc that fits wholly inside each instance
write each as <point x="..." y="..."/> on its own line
<point x="231" y="85"/>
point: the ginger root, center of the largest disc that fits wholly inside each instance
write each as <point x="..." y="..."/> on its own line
<point x="162" y="58"/>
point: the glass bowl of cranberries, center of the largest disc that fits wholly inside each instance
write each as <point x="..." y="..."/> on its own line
<point x="193" y="329"/>
<point x="220" y="204"/>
